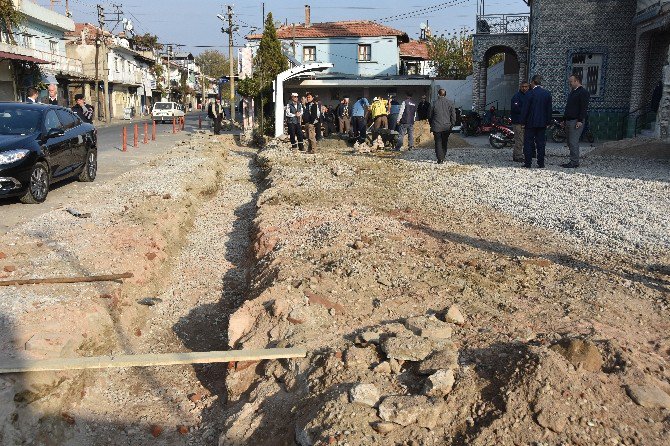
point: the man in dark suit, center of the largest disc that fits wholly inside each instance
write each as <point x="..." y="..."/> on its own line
<point x="31" y="95"/>
<point x="536" y="116"/>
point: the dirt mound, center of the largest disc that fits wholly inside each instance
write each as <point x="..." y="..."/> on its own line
<point x="640" y="147"/>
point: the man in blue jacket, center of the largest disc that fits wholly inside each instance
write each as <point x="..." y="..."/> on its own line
<point x="515" y="115"/>
<point x="536" y="116"/>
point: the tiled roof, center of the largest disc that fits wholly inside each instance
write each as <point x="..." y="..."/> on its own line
<point x="353" y="28"/>
<point x="415" y="49"/>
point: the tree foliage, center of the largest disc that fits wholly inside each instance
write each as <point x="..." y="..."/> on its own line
<point x="10" y="18"/>
<point x="213" y="63"/>
<point x="451" y="56"/>
<point x="269" y="60"/>
<point x="146" y="42"/>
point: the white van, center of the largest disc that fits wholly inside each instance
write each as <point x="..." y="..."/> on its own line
<point x="165" y="111"/>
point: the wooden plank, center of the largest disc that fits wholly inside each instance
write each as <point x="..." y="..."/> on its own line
<point x="81" y="279"/>
<point x="104" y="362"/>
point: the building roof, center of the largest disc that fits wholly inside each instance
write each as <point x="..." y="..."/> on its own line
<point x="351" y="28"/>
<point x="414" y="49"/>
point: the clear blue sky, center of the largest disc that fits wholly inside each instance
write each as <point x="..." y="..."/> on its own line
<point x="194" y="22"/>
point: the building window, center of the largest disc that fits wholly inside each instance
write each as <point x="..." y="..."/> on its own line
<point x="53" y="47"/>
<point x="590" y="67"/>
<point x="116" y="64"/>
<point x="309" y="54"/>
<point x="364" y="53"/>
<point x="26" y="40"/>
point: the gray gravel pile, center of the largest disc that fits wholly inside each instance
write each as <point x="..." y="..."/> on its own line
<point x="611" y="203"/>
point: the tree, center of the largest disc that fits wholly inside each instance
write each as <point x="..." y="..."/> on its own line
<point x="269" y="60"/>
<point x="146" y="42"/>
<point x="10" y="18"/>
<point x="213" y="63"/>
<point x="451" y="56"/>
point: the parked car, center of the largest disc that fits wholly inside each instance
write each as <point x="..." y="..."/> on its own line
<point x="40" y="145"/>
<point x="166" y="111"/>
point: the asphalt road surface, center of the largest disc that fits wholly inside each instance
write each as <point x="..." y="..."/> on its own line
<point x="112" y="162"/>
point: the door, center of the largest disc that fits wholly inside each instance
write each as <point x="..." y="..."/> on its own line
<point x="74" y="137"/>
<point x="58" y="150"/>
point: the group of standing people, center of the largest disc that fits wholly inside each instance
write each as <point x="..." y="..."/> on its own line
<point x="352" y="119"/>
<point x="81" y="108"/>
<point x="531" y="113"/>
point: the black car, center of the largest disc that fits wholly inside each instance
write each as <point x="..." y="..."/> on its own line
<point x="40" y="145"/>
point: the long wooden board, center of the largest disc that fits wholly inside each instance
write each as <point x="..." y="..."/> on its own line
<point x="104" y="362"/>
<point x="52" y="280"/>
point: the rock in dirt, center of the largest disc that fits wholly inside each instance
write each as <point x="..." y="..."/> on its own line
<point x="408" y="348"/>
<point x="439" y="383"/>
<point x="150" y="301"/>
<point x="649" y="396"/>
<point x="366" y="394"/>
<point x="428" y="327"/>
<point x="383" y="367"/>
<point x="580" y="353"/>
<point x="454" y="315"/>
<point x="409" y="409"/>
<point x="445" y="359"/>
<point x="552" y="419"/>
<point x="384" y="428"/>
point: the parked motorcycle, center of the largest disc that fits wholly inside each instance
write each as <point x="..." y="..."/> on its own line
<point x="559" y="135"/>
<point x="475" y="124"/>
<point x="501" y="137"/>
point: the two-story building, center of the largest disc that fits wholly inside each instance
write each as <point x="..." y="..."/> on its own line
<point x="365" y="58"/>
<point x="34" y="54"/>
<point x="618" y="46"/>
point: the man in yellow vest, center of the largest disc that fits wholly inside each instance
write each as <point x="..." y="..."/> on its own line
<point x="379" y="111"/>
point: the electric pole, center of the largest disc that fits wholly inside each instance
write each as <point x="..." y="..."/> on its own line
<point x="230" y="59"/>
<point x="101" y="23"/>
<point x="169" y="50"/>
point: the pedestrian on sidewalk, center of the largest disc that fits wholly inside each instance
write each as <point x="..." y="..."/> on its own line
<point x="293" y="112"/>
<point x="536" y="116"/>
<point x="358" y="114"/>
<point x="515" y="115"/>
<point x="215" y="112"/>
<point x="311" y="120"/>
<point x="82" y="109"/>
<point x="407" y="115"/>
<point x="441" y="117"/>
<point x="574" y="118"/>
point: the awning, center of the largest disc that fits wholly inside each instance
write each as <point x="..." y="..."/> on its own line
<point x="4" y="55"/>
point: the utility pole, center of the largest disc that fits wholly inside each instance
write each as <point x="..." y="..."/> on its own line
<point x="230" y="59"/>
<point x="101" y="23"/>
<point x="261" y="73"/>
<point x="67" y="9"/>
<point x="169" y="50"/>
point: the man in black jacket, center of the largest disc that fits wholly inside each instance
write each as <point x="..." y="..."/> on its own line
<point x="311" y="120"/>
<point x="215" y="113"/>
<point x="575" y="118"/>
<point x="82" y="109"/>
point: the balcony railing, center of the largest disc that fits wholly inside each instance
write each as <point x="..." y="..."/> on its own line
<point x="503" y="23"/>
<point x="58" y="63"/>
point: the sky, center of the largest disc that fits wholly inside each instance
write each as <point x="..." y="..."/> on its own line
<point x="194" y="23"/>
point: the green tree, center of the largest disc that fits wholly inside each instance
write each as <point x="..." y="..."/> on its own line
<point x="451" y="56"/>
<point x="146" y="42"/>
<point x="10" y="18"/>
<point x="213" y="63"/>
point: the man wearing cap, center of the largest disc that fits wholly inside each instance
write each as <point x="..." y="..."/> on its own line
<point x="293" y="113"/>
<point x="82" y="109"/>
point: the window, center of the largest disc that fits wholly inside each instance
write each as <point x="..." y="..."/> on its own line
<point x="116" y="64"/>
<point x="68" y="119"/>
<point x="309" y="54"/>
<point x="51" y="121"/>
<point x="53" y="47"/>
<point x="364" y="53"/>
<point x="26" y="40"/>
<point x="590" y="67"/>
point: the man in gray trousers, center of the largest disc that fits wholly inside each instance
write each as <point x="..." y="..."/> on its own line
<point x="576" y="108"/>
<point x="441" y="117"/>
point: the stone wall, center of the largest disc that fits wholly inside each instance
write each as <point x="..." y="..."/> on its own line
<point x="662" y="130"/>
<point x="560" y="29"/>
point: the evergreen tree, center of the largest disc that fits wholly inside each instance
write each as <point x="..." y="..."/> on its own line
<point x="269" y="60"/>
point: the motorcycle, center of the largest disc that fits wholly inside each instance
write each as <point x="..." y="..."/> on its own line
<point x="559" y="135"/>
<point x="501" y="137"/>
<point x="475" y="124"/>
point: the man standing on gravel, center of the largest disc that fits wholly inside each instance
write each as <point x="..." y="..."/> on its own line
<point x="536" y="116"/>
<point x="407" y="115"/>
<point x="311" y="119"/>
<point x="441" y="117"/>
<point x="293" y="113"/>
<point x="358" y="113"/>
<point x="215" y="113"/>
<point x="574" y="117"/>
<point x="343" y="118"/>
<point x="517" y="106"/>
